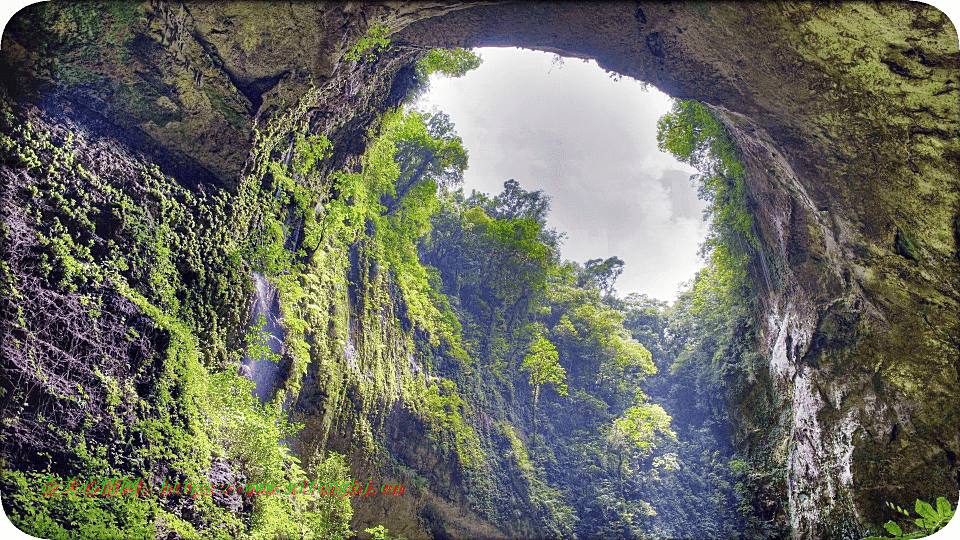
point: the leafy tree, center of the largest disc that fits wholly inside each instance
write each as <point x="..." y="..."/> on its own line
<point x="536" y="321"/>
<point x="498" y="267"/>
<point x="646" y="320"/>
<point x="606" y="353"/>
<point x="639" y="427"/>
<point x="444" y="62"/>
<point x="695" y="135"/>
<point x="642" y="424"/>
<point x="543" y="366"/>
<point x="427" y="149"/>
<point x="604" y="273"/>
<point x="517" y="203"/>
<point x="448" y="62"/>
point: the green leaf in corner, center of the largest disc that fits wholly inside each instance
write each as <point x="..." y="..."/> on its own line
<point x="893" y="528"/>
<point x="943" y="508"/>
<point x="924" y="509"/>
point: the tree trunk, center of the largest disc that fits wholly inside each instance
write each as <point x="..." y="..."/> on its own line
<point x="536" y="397"/>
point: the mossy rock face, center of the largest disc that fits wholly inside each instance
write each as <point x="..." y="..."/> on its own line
<point x="846" y="116"/>
<point x="191" y="81"/>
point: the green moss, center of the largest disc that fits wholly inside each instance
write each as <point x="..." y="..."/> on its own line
<point x="702" y="9"/>
<point x="906" y="244"/>
<point x="517" y="450"/>
<point x="370" y="45"/>
<point x="235" y="118"/>
<point x="173" y="254"/>
<point x="443" y="408"/>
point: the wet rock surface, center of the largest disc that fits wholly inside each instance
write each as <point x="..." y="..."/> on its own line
<point x="265" y="314"/>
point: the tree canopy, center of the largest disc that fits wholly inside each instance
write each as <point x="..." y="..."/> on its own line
<point x="543" y="367"/>
<point x="604" y="273"/>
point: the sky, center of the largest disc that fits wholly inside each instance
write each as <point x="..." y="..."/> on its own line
<point x="590" y="143"/>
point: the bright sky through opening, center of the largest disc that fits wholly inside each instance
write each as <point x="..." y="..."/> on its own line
<point x="589" y="142"/>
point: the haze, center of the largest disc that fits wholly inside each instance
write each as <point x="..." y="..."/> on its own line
<point x="588" y="141"/>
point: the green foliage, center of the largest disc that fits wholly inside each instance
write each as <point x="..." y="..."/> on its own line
<point x="518" y="452"/>
<point x="381" y="533"/>
<point x="366" y="224"/>
<point x="604" y="273"/>
<point x="448" y="62"/>
<point x="154" y="392"/>
<point x="339" y="248"/>
<point x="638" y="428"/>
<point x="63" y="517"/>
<point x="445" y="62"/>
<point x="714" y="386"/>
<point x="258" y="347"/>
<point x="543" y="367"/>
<point x="495" y="256"/>
<point x="930" y="521"/>
<point x="695" y="135"/>
<point x="414" y="155"/>
<point x="295" y="184"/>
<point x="642" y="425"/>
<point x="391" y="287"/>
<point x="516" y="203"/>
<point x="443" y="407"/>
<point x="243" y="429"/>
<point x="619" y="362"/>
<point x="534" y="321"/>
<point x="344" y="252"/>
<point x="720" y="388"/>
<point x="367" y="48"/>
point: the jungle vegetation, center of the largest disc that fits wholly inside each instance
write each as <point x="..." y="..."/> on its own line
<point x="560" y="405"/>
<point x="540" y="347"/>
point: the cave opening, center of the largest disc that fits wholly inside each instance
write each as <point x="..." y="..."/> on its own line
<point x="844" y="116"/>
<point x="587" y="138"/>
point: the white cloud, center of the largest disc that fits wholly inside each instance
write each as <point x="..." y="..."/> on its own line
<point x="589" y="142"/>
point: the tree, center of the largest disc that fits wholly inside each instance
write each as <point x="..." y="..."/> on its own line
<point x="643" y="424"/>
<point x="517" y="203"/>
<point x="696" y="135"/>
<point x="494" y="254"/>
<point x="544" y="367"/>
<point x="638" y="427"/>
<point x="427" y="149"/>
<point x="445" y="62"/>
<point x="448" y="62"/>
<point x="604" y="273"/>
